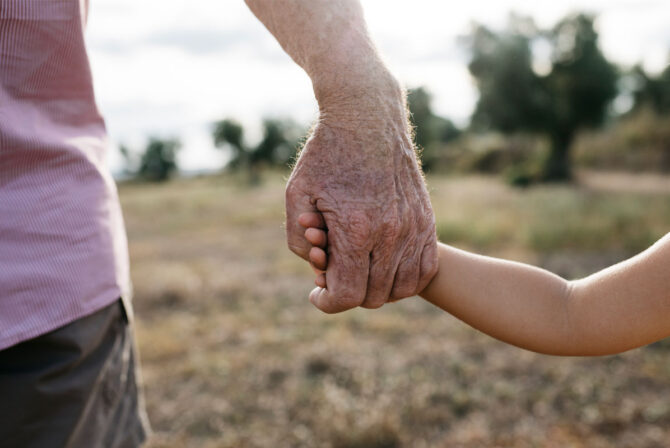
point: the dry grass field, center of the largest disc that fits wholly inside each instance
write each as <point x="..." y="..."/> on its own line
<point x="234" y="355"/>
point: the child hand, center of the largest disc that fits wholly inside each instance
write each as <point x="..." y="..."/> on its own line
<point x="316" y="234"/>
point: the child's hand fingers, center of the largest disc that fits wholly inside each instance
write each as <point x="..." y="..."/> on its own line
<point x="312" y="219"/>
<point x="320" y="281"/>
<point x="318" y="258"/>
<point x="316" y="237"/>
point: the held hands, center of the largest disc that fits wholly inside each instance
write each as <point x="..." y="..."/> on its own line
<point x="316" y="235"/>
<point x="358" y="178"/>
<point x="358" y="170"/>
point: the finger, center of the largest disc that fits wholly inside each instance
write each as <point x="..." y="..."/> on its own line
<point x="316" y="237"/>
<point x="318" y="258"/>
<point x="347" y="275"/>
<point x="380" y="281"/>
<point x="407" y="276"/>
<point x="312" y="219"/>
<point x="297" y="203"/>
<point x="320" y="281"/>
<point x="316" y="270"/>
<point x="429" y="264"/>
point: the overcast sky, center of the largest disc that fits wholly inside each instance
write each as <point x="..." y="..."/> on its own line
<point x="172" y="67"/>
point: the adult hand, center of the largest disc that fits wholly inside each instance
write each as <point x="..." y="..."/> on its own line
<point x="360" y="172"/>
<point x="358" y="169"/>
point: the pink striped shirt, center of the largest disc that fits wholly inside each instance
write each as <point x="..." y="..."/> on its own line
<point x="63" y="250"/>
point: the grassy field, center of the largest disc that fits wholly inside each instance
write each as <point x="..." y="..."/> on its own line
<point x="234" y="355"/>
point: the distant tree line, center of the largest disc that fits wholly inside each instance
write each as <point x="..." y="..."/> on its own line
<point x="575" y="91"/>
<point x="548" y="83"/>
<point x="278" y="146"/>
<point x="650" y="91"/>
<point x="157" y="162"/>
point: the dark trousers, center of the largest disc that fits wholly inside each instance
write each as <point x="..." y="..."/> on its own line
<point x="73" y="387"/>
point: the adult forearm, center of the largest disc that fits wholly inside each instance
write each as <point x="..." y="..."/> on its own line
<point x="330" y="41"/>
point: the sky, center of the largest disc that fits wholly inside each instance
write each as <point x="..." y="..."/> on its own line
<point x="173" y="67"/>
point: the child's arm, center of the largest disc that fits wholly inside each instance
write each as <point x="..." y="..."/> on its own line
<point x="622" y="307"/>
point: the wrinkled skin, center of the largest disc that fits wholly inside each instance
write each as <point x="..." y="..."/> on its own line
<point x="358" y="169"/>
<point x="360" y="172"/>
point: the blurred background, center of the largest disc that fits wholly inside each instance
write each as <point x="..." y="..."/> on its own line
<point x="545" y="136"/>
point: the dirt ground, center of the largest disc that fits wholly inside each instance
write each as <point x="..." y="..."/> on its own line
<point x="233" y="354"/>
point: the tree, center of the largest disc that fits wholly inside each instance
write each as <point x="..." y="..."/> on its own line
<point x="159" y="159"/>
<point x="431" y="132"/>
<point x="279" y="143"/>
<point x="652" y="91"/>
<point x="231" y="132"/>
<point x="277" y="146"/>
<point x="574" y="93"/>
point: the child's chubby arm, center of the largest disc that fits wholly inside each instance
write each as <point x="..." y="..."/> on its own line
<point x="619" y="308"/>
<point x="622" y="307"/>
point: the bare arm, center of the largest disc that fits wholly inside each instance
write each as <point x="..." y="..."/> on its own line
<point x="617" y="309"/>
<point x="359" y="155"/>
<point x="330" y="41"/>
